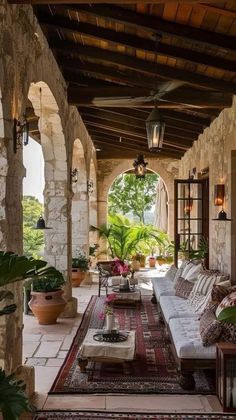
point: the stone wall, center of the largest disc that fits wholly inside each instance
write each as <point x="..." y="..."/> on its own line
<point x="214" y="150"/>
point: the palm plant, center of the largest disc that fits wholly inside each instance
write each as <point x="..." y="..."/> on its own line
<point x="123" y="237"/>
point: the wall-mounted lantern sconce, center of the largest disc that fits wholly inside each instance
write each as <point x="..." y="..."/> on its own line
<point x="188" y="206"/>
<point x="74" y="175"/>
<point x="219" y="194"/>
<point x="90" y="186"/>
<point x="41" y="225"/>
<point x="140" y="167"/>
<point x="20" y="133"/>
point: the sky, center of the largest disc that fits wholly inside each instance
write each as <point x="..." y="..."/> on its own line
<point x="33" y="183"/>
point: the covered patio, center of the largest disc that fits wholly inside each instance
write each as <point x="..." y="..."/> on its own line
<point x="83" y="78"/>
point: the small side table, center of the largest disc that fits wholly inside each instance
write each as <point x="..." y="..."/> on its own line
<point x="127" y="298"/>
<point x="226" y="375"/>
<point x="105" y="352"/>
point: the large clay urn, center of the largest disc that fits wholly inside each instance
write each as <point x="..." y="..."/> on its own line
<point x="47" y="306"/>
<point x="77" y="276"/>
<point x="152" y="262"/>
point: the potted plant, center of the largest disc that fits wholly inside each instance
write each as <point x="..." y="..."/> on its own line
<point x="46" y="301"/>
<point x="161" y="259"/>
<point x="80" y="266"/>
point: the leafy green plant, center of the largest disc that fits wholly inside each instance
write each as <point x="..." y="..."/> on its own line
<point x="124" y="238"/>
<point x="81" y="262"/>
<point x="33" y="239"/>
<point x="200" y="253"/>
<point x="228" y="315"/>
<point x="14" y="267"/>
<point x="13" y="400"/>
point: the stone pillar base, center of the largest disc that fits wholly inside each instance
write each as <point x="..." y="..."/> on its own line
<point x="70" y="310"/>
<point x="27" y="375"/>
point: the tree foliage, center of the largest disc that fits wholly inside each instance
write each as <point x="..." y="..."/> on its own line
<point x="33" y="239"/>
<point x="131" y="195"/>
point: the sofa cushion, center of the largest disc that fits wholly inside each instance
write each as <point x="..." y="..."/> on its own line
<point x="163" y="287"/>
<point x="187" y="339"/>
<point x="209" y="327"/>
<point x="176" y="307"/>
<point x="183" y="288"/>
<point x="228" y="332"/>
<point x="180" y="270"/>
<point x="229" y="300"/>
<point x="170" y="274"/>
<point x="192" y="270"/>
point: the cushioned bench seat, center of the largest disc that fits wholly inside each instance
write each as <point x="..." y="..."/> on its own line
<point x="176" y="307"/>
<point x="188" y="343"/>
<point x="163" y="287"/>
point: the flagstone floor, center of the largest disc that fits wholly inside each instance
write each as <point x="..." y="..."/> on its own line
<point x="46" y="346"/>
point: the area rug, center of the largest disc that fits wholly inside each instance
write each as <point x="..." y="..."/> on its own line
<point x="152" y="371"/>
<point x="102" y="415"/>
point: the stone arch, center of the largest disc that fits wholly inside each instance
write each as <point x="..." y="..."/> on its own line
<point x="55" y="192"/>
<point x="93" y="205"/>
<point x="79" y="209"/>
<point x="164" y="169"/>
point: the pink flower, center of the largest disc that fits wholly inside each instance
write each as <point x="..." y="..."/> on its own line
<point x="101" y="315"/>
<point x="110" y="298"/>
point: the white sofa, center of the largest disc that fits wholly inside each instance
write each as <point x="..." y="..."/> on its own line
<point x="182" y="323"/>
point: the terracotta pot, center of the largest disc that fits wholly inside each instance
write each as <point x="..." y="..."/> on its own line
<point x="77" y="276"/>
<point x="152" y="262"/>
<point x="161" y="261"/>
<point x="47" y="306"/>
<point x="142" y="261"/>
<point x="135" y="264"/>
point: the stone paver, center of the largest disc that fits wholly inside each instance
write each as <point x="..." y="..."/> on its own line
<point x="53" y="337"/>
<point x="67" y="342"/>
<point x="48" y="349"/>
<point x="36" y="361"/>
<point x="32" y="337"/>
<point x="62" y="354"/>
<point x="30" y="347"/>
<point x="54" y="362"/>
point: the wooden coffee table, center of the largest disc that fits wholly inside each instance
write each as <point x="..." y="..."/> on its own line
<point x="105" y="352"/>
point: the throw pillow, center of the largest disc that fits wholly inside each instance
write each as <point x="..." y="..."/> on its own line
<point x="180" y="270"/>
<point x="229" y="300"/>
<point x="192" y="274"/>
<point x="210" y="328"/>
<point x="183" y="288"/>
<point x="217" y="294"/>
<point x="170" y="274"/>
<point x="228" y="332"/>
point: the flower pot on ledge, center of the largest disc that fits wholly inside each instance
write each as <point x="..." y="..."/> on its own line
<point x="152" y="262"/>
<point x="77" y="276"/>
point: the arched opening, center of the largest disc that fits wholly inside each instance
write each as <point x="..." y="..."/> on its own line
<point x="79" y="210"/>
<point x="55" y="172"/>
<point x="93" y="208"/>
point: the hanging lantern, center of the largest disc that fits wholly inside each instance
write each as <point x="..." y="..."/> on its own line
<point x="155" y="126"/>
<point x="219" y="195"/>
<point x="140" y="167"/>
<point x="188" y="206"/>
<point x="41" y="225"/>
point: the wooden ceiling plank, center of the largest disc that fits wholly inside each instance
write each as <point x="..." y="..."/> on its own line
<point x="124" y="119"/>
<point x="135" y="42"/>
<point x="143" y="65"/>
<point x="154" y="24"/>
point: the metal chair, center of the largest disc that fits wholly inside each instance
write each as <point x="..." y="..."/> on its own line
<point x="105" y="271"/>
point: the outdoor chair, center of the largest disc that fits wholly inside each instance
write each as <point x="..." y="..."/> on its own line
<point x="105" y="271"/>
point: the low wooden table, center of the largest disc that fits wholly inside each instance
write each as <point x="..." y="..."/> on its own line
<point x="127" y="298"/>
<point x="101" y="351"/>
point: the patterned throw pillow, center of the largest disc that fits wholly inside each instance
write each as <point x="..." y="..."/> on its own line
<point x="206" y="280"/>
<point x="192" y="270"/>
<point x="183" y="288"/>
<point x="229" y="300"/>
<point x="217" y="294"/>
<point x="228" y="332"/>
<point x="210" y="328"/>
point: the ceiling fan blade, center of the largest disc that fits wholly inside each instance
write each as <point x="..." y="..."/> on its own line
<point x="166" y="88"/>
<point x="122" y="101"/>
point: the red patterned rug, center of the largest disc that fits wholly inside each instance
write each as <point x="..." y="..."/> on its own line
<point x="106" y="415"/>
<point x="152" y="371"/>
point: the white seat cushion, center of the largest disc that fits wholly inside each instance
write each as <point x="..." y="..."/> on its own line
<point x="163" y="287"/>
<point x="176" y="307"/>
<point x="187" y="340"/>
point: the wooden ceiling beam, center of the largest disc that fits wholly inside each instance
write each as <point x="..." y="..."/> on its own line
<point x="154" y="24"/>
<point x="122" y="95"/>
<point x="128" y="77"/>
<point x="137" y="64"/>
<point x="137" y="123"/>
<point x="121" y="130"/>
<point x="128" y="40"/>
<point x="174" y="115"/>
<point x="110" y="154"/>
<point x="106" y="1"/>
